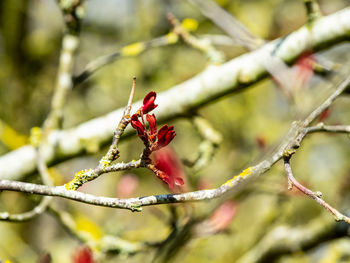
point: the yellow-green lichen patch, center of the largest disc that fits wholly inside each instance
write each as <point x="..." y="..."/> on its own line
<point x="190" y="24"/>
<point x="104" y="162"/>
<point x="172" y="38"/>
<point x="242" y="175"/>
<point x="35" y="136"/>
<point x="133" y="49"/>
<point x="246" y="172"/>
<point x="80" y="178"/>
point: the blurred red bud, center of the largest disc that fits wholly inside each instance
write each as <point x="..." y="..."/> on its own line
<point x="127" y="186"/>
<point x="304" y="66"/>
<point x="324" y="115"/>
<point x="83" y="255"/>
<point x="261" y="141"/>
<point x="168" y="167"/>
<point x="222" y="216"/>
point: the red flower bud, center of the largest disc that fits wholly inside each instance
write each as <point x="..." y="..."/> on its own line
<point x="165" y="136"/>
<point x="151" y="119"/>
<point x="148" y="102"/>
<point x="83" y="255"/>
<point x="138" y="126"/>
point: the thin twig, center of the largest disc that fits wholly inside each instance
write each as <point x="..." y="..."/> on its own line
<point x="64" y="83"/>
<point x="130" y="50"/>
<point x="113" y="152"/>
<point x="313" y="10"/>
<point x="70" y="44"/>
<point x="344" y="84"/>
<point x="211" y="139"/>
<point x="201" y="44"/>
<point x="274" y="65"/>
<point x="321" y="127"/>
<point x="88" y="175"/>
<point x="105" y="164"/>
<point x="22" y="217"/>
<point x="106" y="244"/>
<point x="317" y="196"/>
<point x="288" y="239"/>
<point x="228" y="24"/>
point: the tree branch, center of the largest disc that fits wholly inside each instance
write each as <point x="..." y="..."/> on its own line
<point x="285" y="239"/>
<point x="321" y="127"/>
<point x="317" y="196"/>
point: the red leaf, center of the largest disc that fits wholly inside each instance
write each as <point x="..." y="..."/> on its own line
<point x="138" y="126"/>
<point x="148" y="102"/>
<point x="304" y="65"/>
<point x="165" y="136"/>
<point x="151" y="119"/>
<point x="169" y="167"/>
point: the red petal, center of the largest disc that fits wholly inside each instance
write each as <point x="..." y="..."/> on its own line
<point x="151" y="119"/>
<point x="170" y="135"/>
<point x="162" y="132"/>
<point x="137" y="125"/>
<point x="149" y="96"/>
<point x="148" y="102"/>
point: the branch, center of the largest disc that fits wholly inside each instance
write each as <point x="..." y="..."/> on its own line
<point x="228" y="23"/>
<point x="72" y="13"/>
<point x="213" y="83"/>
<point x="54" y="119"/>
<point x="106" y="244"/>
<point x="317" y="196"/>
<point x="104" y="165"/>
<point x="113" y="152"/>
<point x="284" y="239"/>
<point x="133" y="204"/>
<point x="39" y="209"/>
<point x="321" y="127"/>
<point x="127" y="51"/>
<point x="64" y="83"/>
<point x="215" y="56"/>
<point x="211" y="139"/>
<point x="313" y="10"/>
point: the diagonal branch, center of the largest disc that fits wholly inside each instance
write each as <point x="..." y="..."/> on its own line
<point x="127" y="51"/>
<point x="70" y="43"/>
<point x="105" y="164"/>
<point x="317" y="196"/>
<point x="228" y="23"/>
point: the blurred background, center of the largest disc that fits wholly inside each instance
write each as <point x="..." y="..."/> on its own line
<point x="251" y="123"/>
